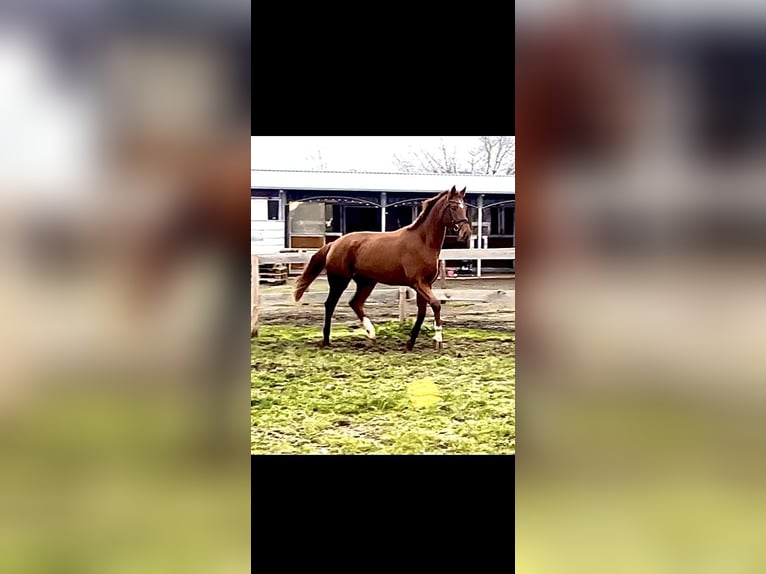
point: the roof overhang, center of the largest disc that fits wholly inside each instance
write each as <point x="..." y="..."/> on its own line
<point x="379" y="182"/>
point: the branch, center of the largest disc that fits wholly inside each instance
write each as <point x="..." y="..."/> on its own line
<point x="509" y="144"/>
<point x="450" y="165"/>
<point x="488" y="151"/>
<point x="489" y="156"/>
<point x="403" y="165"/>
<point x="502" y="151"/>
<point x="429" y="162"/>
<point x="319" y="163"/>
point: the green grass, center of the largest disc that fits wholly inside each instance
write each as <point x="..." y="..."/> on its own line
<point x="356" y="398"/>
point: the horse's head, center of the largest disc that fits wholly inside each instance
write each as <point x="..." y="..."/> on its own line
<point x="455" y="216"/>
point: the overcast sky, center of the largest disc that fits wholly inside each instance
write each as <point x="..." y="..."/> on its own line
<point x="343" y="153"/>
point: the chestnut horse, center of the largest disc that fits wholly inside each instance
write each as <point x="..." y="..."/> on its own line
<point x="406" y="257"/>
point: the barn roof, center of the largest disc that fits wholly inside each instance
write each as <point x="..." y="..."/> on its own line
<point x="377" y="182"/>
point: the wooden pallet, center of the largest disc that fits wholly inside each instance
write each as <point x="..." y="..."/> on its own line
<point x="275" y="274"/>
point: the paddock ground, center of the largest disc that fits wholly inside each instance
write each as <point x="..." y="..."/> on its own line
<point x="356" y="397"/>
<point x="496" y="313"/>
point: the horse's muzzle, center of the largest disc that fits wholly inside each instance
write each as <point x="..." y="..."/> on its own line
<point x="464" y="232"/>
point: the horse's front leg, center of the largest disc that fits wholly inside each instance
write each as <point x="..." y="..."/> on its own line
<point x="424" y="290"/>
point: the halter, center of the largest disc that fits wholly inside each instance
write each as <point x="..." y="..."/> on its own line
<point x="457" y="222"/>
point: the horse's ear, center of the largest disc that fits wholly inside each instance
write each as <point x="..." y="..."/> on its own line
<point x="453" y="190"/>
<point x="462" y="193"/>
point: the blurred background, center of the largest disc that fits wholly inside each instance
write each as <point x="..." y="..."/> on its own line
<point x="124" y="156"/>
<point x="124" y="161"/>
<point x="641" y="234"/>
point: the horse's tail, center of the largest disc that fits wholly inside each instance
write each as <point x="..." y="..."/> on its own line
<point x="311" y="272"/>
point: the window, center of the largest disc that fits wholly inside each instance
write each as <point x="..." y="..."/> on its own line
<point x="501" y="220"/>
<point x="398" y="216"/>
<point x="494" y="220"/>
<point x="509" y="220"/>
<point x="307" y="218"/>
<point x="332" y="218"/>
<point x="273" y="208"/>
<point x="362" y="219"/>
<point x="473" y="215"/>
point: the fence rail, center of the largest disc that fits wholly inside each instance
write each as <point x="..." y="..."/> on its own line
<point x="303" y="255"/>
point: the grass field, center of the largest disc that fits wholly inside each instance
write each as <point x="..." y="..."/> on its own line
<point x="357" y="398"/>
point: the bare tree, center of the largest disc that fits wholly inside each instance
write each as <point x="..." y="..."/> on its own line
<point x="492" y="155"/>
<point x="441" y="160"/>
<point x="497" y="155"/>
<point x="318" y="163"/>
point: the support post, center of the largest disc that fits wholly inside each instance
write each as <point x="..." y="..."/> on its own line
<point x="383" y="203"/>
<point x="480" y="207"/>
<point x="285" y="216"/>
<point x="282" y="204"/>
<point x="443" y="273"/>
<point x="254" y="295"/>
<point x="513" y="226"/>
<point x="402" y="304"/>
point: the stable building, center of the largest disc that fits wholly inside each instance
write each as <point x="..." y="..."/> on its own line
<point x="307" y="209"/>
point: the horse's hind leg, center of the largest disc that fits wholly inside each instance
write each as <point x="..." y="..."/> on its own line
<point x="338" y="284"/>
<point x="422" y="304"/>
<point x="363" y="289"/>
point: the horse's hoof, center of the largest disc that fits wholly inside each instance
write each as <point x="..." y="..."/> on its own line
<point x="437" y="344"/>
<point x="324" y="344"/>
<point x="409" y="345"/>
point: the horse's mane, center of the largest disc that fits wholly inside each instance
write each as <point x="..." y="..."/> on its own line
<point x="428" y="205"/>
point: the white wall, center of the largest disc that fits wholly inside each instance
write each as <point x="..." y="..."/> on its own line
<point x="259" y="210"/>
<point x="265" y="236"/>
